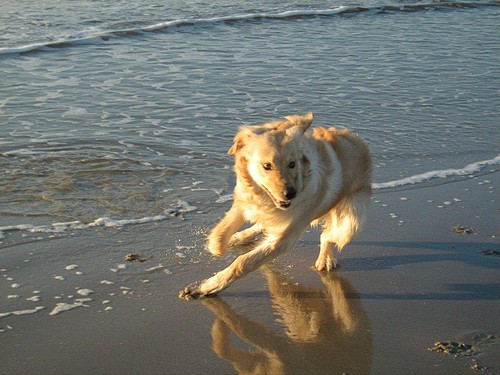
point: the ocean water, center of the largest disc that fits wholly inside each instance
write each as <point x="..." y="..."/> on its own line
<point x="121" y="113"/>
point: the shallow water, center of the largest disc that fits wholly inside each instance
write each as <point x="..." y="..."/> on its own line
<point x="122" y="114"/>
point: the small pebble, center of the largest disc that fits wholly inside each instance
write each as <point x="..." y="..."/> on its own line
<point x="462" y="229"/>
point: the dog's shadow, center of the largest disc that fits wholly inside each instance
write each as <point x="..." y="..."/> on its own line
<point x="478" y="254"/>
<point x="325" y="330"/>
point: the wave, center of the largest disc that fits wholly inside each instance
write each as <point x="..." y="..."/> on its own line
<point x="184" y="207"/>
<point x="85" y="37"/>
<point x="77" y="225"/>
<point x="468" y="170"/>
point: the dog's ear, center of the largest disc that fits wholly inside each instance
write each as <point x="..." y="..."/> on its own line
<point x="300" y="122"/>
<point x="237" y="145"/>
<point x="240" y="140"/>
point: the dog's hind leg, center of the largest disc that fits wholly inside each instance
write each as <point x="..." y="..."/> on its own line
<point x="219" y="237"/>
<point x="341" y="225"/>
<point x="326" y="260"/>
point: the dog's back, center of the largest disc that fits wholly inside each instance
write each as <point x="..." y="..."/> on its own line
<point x="353" y="155"/>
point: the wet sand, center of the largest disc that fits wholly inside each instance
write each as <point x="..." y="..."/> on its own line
<point x="407" y="282"/>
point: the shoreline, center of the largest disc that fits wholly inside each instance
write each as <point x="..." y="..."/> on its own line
<point x="407" y="282"/>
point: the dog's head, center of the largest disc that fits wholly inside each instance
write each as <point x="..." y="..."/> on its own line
<point x="271" y="155"/>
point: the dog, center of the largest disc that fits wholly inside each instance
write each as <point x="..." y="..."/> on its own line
<point x="288" y="178"/>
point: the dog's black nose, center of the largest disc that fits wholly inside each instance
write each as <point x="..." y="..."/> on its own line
<point x="289" y="192"/>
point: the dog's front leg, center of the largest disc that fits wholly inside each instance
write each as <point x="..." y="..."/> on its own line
<point x="219" y="237"/>
<point x="246" y="236"/>
<point x="266" y="251"/>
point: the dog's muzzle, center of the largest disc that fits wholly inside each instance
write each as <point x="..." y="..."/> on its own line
<point x="284" y="204"/>
<point x="289" y="193"/>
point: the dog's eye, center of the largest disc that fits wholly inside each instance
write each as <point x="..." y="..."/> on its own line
<point x="291" y="164"/>
<point x="267" y="166"/>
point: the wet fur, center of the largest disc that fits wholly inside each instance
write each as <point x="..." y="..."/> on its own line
<point x="288" y="178"/>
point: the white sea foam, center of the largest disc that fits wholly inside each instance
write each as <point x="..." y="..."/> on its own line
<point x="62" y="307"/>
<point x="245" y="17"/>
<point x="469" y="169"/>
<point x="185" y="207"/>
<point x="85" y="292"/>
<point x="225" y="198"/>
<point x="155" y="268"/>
<point x="77" y="225"/>
<point x="109" y="222"/>
<point x="98" y="35"/>
<point x="22" y="312"/>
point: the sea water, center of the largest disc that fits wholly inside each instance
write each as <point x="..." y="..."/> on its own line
<point x="121" y="113"/>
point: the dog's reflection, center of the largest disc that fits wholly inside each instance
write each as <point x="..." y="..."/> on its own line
<point x="327" y="331"/>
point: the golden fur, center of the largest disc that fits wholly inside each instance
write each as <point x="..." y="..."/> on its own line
<point x="320" y="330"/>
<point x="287" y="178"/>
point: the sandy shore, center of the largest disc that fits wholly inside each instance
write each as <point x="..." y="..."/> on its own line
<point x="407" y="282"/>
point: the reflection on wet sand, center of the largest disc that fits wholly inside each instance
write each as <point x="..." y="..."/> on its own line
<point x="327" y="331"/>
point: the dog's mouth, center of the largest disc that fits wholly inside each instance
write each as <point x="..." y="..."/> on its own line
<point x="283" y="205"/>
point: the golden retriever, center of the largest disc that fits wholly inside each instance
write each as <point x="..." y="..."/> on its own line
<point x="286" y="179"/>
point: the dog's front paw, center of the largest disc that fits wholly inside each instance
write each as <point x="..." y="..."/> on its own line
<point x="193" y="291"/>
<point x="189" y="293"/>
<point x="215" y="247"/>
<point x="326" y="263"/>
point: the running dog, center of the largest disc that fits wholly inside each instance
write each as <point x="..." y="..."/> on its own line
<point x="288" y="178"/>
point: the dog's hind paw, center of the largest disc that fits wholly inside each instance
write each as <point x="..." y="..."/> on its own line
<point x="327" y="263"/>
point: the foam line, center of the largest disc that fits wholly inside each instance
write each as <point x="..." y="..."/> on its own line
<point x="185" y="207"/>
<point x="77" y="225"/>
<point x="465" y="171"/>
<point x="88" y="36"/>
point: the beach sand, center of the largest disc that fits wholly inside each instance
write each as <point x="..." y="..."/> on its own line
<point x="407" y="282"/>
